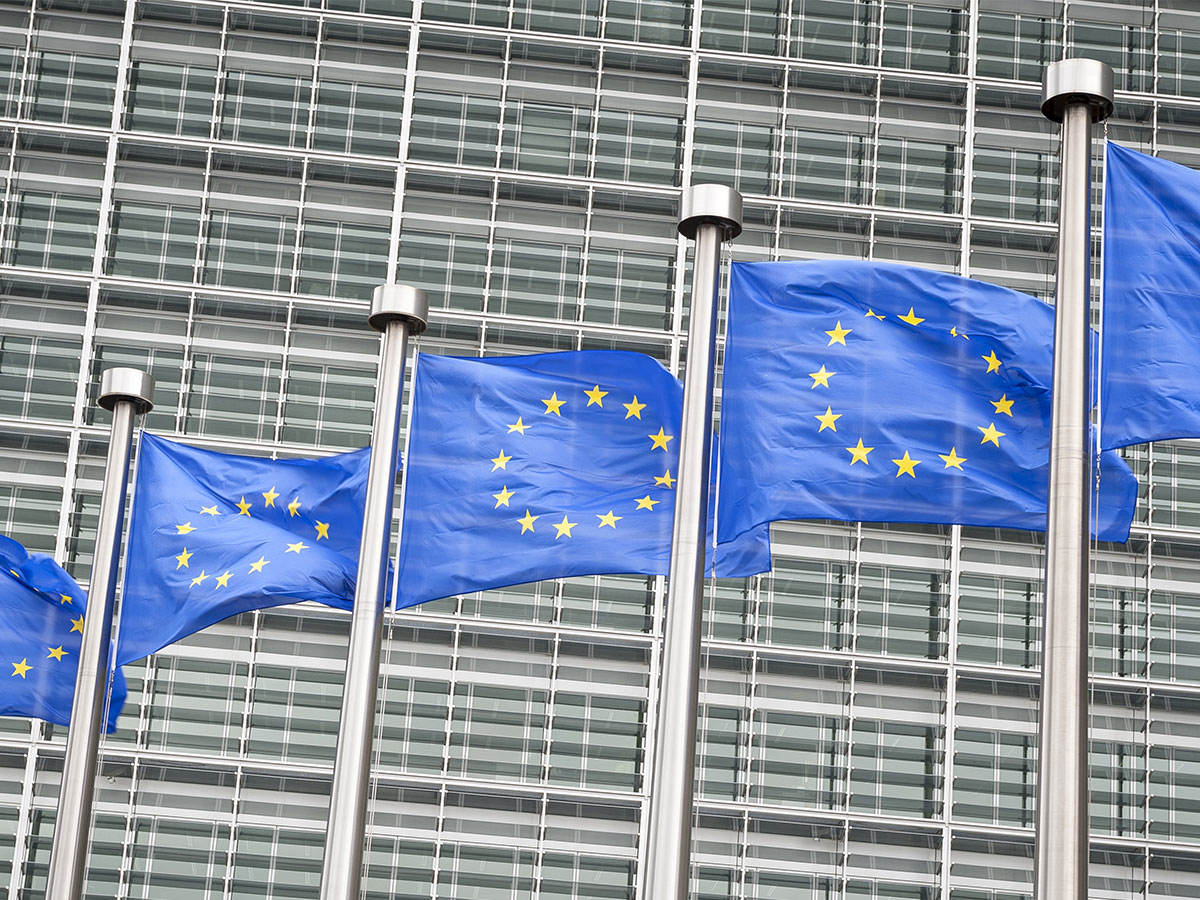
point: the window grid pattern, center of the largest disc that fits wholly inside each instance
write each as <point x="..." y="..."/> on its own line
<point x="868" y="709"/>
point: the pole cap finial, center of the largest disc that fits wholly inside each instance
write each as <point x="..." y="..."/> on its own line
<point x="1080" y="80"/>
<point x="121" y="383"/>
<point x="716" y="204"/>
<point x="399" y="301"/>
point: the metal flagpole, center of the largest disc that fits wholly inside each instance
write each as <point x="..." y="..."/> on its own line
<point x="126" y="393"/>
<point x="1077" y="93"/>
<point x="711" y="213"/>
<point x="398" y="311"/>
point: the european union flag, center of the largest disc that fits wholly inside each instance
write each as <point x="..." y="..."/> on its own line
<point x="533" y="467"/>
<point x="1149" y="378"/>
<point x="864" y="391"/>
<point x="41" y="625"/>
<point x="213" y="534"/>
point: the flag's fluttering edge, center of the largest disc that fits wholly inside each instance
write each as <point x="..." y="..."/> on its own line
<point x="214" y="534"/>
<point x="41" y="626"/>
<point x="546" y="466"/>
<point x="1150" y="380"/>
<point x="875" y="392"/>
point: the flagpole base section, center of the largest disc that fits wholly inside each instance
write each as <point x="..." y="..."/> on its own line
<point x="399" y="301"/>
<point x="1072" y="81"/>
<point x="711" y="204"/>
<point x="121" y="383"/>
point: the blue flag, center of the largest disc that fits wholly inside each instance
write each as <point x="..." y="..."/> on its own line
<point x="41" y="625"/>
<point x="1149" y="377"/>
<point x="214" y="534"/>
<point x="885" y="393"/>
<point x="534" y="467"/>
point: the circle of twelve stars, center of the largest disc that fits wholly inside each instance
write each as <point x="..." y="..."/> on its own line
<point x="906" y="465"/>
<point x="183" y="560"/>
<point x="595" y="397"/>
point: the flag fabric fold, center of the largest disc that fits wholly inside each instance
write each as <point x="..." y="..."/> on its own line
<point x="1150" y="380"/>
<point x="863" y="391"/>
<point x="546" y="466"/>
<point x="214" y="534"/>
<point x="41" y="628"/>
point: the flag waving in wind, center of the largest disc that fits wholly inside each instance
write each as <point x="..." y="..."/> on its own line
<point x="213" y="535"/>
<point x="532" y="467"/>
<point x="1150" y="379"/>
<point x="41" y="627"/>
<point x="865" y="391"/>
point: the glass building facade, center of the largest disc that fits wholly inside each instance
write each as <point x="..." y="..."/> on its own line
<point x="210" y="190"/>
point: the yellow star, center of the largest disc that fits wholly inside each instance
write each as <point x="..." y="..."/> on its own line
<point x="65" y="598"/>
<point x="821" y="377"/>
<point x="294" y="507"/>
<point x="553" y="405"/>
<point x="954" y="332"/>
<point x="199" y="579"/>
<point x="838" y="335"/>
<point x="634" y="410"/>
<point x="503" y="497"/>
<point x="322" y="530"/>
<point x="209" y="510"/>
<point x="665" y="479"/>
<point x="992" y="361"/>
<point x="500" y="462"/>
<point x="911" y="318"/>
<point x="660" y="440"/>
<point x="527" y="522"/>
<point x="14" y="573"/>
<point x="270" y="496"/>
<point x="647" y="503"/>
<point x="296" y="547"/>
<point x="181" y="561"/>
<point x="77" y="625"/>
<point x="56" y="653"/>
<point x="257" y="566"/>
<point x="185" y="528"/>
<point x="906" y="465"/>
<point x="518" y="426"/>
<point x="953" y="460"/>
<point x="828" y="419"/>
<point x="21" y="668"/>
<point x="223" y="580"/>
<point x="243" y="508"/>
<point x="596" y="396"/>
<point x="563" y="527"/>
<point x="990" y="434"/>
<point x="859" y="453"/>
<point x="872" y="314"/>
<point x="1003" y="405"/>
<point x="608" y="519"/>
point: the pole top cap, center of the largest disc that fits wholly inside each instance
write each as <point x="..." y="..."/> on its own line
<point x="1072" y="81"/>
<point x="134" y="385"/>
<point x="711" y="204"/>
<point x="399" y="301"/>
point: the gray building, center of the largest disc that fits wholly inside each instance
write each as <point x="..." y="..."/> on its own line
<point x="211" y="189"/>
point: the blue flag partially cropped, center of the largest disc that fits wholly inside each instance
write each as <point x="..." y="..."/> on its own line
<point x="534" y="467"/>
<point x="214" y="534"/>
<point x="1150" y="380"/>
<point x="885" y="393"/>
<point x="41" y="626"/>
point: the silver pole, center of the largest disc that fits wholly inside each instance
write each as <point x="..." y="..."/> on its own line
<point x="126" y="393"/>
<point x="711" y="213"/>
<point x="1076" y="92"/>
<point x="397" y="310"/>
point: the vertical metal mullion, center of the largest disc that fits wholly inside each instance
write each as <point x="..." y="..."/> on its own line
<point x="88" y="339"/>
<point x="21" y="838"/>
<point x="410" y="90"/>
<point x="951" y="726"/>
